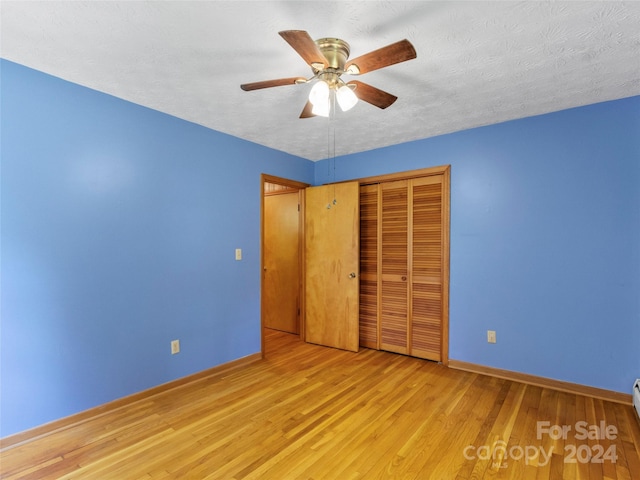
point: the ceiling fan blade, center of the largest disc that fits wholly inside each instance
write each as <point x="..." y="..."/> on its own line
<point x="383" y="57"/>
<point x="272" y="83"/>
<point x="306" y="111"/>
<point x="306" y="48"/>
<point x="372" y="95"/>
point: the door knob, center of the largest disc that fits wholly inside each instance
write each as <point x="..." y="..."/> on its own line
<point x="352" y="275"/>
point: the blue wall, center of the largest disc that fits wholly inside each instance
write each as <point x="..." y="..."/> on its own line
<point x="545" y="239"/>
<point x="119" y="229"/>
<point x="119" y="226"/>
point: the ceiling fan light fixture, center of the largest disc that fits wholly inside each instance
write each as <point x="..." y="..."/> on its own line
<point x="319" y="94"/>
<point x="346" y="98"/>
<point x="329" y="60"/>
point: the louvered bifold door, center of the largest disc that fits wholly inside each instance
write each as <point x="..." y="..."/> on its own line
<point x="394" y="306"/>
<point x="369" y="266"/>
<point x="427" y="267"/>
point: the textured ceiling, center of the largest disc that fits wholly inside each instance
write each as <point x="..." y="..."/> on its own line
<point x="478" y="63"/>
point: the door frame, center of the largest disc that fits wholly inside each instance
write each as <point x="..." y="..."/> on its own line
<point x="300" y="187"/>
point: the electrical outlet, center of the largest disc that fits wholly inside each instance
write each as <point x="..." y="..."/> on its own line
<point x="175" y="347"/>
<point x="491" y="336"/>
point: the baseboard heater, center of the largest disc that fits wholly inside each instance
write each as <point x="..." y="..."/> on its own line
<point x="636" y="397"/>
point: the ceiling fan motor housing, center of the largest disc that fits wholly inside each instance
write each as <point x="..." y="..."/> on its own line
<point x="336" y="52"/>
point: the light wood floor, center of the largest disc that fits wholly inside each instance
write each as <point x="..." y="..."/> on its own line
<point x="310" y="412"/>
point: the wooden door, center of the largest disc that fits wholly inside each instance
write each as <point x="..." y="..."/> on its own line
<point x="332" y="237"/>
<point x="394" y="294"/>
<point x="281" y="262"/>
<point x="369" y="265"/>
<point x="404" y="261"/>
<point x="427" y="276"/>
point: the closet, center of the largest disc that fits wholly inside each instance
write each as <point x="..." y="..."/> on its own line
<point x="404" y="263"/>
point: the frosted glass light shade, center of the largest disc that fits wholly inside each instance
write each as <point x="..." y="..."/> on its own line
<point x="321" y="108"/>
<point x="319" y="94"/>
<point x="346" y="98"/>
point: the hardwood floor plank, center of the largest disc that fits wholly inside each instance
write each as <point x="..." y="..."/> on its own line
<point x="628" y="435"/>
<point x="310" y="412"/>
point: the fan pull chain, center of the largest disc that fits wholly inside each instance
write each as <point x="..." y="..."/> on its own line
<point x="333" y="113"/>
<point x="331" y="152"/>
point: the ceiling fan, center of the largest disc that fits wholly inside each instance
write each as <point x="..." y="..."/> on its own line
<point x="328" y="59"/>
